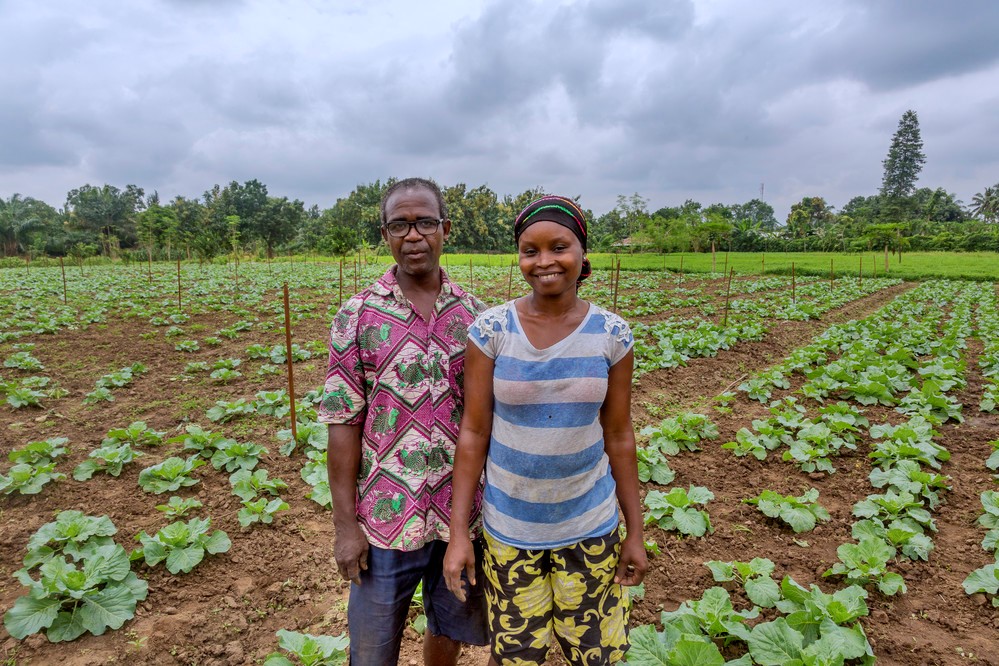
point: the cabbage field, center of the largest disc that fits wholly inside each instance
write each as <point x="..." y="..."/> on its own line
<point x="818" y="458"/>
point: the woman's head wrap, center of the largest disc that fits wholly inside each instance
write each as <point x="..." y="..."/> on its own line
<point x="559" y="210"/>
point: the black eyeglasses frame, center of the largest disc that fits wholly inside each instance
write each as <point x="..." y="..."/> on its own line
<point x="411" y="225"/>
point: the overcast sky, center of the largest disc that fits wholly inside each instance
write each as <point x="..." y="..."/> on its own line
<point x="706" y="100"/>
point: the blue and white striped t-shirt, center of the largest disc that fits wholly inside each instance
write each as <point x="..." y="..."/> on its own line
<point x="548" y="479"/>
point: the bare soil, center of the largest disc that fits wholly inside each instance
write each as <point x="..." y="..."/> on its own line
<point x="282" y="576"/>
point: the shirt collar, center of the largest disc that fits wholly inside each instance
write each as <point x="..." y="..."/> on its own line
<point x="387" y="285"/>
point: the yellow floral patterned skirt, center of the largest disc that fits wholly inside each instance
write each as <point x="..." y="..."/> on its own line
<point x="569" y="592"/>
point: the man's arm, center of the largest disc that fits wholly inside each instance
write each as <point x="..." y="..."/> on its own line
<point x="343" y="459"/>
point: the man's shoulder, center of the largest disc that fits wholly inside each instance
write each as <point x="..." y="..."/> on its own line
<point x="478" y="305"/>
<point x="376" y="294"/>
<point x="459" y="298"/>
<point x="468" y="300"/>
<point x="367" y="304"/>
<point x="473" y="304"/>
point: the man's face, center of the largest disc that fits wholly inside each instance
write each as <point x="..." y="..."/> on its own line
<point x="417" y="255"/>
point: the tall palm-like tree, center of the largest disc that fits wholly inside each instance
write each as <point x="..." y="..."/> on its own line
<point x="986" y="204"/>
<point x="16" y="219"/>
<point x="745" y="233"/>
<point x="746" y="226"/>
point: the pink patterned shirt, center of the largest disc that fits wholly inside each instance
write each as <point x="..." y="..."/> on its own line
<point x="402" y="377"/>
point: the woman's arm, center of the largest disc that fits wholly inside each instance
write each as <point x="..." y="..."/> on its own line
<point x="469" y="458"/>
<point x="619" y="442"/>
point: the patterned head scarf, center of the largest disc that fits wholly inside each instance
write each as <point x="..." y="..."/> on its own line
<point x="559" y="210"/>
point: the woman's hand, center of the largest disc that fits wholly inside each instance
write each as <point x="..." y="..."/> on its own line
<point x="634" y="561"/>
<point x="460" y="556"/>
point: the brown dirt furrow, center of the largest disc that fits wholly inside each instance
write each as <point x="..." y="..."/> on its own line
<point x="935" y="622"/>
<point x="706" y="377"/>
<point x="227" y="610"/>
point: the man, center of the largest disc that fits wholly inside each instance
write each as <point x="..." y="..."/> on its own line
<point x="392" y="399"/>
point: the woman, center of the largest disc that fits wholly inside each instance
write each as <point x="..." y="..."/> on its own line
<point x="547" y="411"/>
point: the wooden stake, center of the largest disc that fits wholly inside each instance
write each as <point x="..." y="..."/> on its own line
<point x="763" y="263"/>
<point x="291" y="372"/>
<point x="617" y="284"/>
<point x="681" y="268"/>
<point x="63" y="267"/>
<point x="860" y="276"/>
<point x="471" y="276"/>
<point x="339" y="301"/>
<point x="832" y="274"/>
<point x="792" y="282"/>
<point x="509" y="283"/>
<point x="179" y="307"/>
<point x="728" y="291"/>
<point x="726" y="263"/>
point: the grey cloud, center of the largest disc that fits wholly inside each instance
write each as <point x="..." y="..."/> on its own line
<point x="262" y="90"/>
<point x="661" y="21"/>
<point x="891" y="45"/>
<point x="506" y="60"/>
<point x="26" y="142"/>
<point x="501" y="62"/>
<point x="673" y="99"/>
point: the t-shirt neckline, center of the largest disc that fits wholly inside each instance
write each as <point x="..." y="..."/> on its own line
<point x="559" y="343"/>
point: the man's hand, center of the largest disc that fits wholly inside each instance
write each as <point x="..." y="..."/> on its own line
<point x="460" y="556"/>
<point x="350" y="549"/>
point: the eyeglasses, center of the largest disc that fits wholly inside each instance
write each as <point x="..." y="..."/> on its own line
<point x="399" y="229"/>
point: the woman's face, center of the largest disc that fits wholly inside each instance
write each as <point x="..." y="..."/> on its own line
<point x="551" y="258"/>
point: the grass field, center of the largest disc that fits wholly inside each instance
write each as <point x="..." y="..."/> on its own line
<point x="913" y="266"/>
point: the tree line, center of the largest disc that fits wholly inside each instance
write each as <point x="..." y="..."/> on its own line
<point x="240" y="218"/>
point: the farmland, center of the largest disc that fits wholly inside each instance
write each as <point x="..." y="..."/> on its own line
<point x="745" y="385"/>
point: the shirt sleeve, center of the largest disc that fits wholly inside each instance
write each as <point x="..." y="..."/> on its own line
<point x="343" y="392"/>
<point x="485" y="331"/>
<point x="620" y="339"/>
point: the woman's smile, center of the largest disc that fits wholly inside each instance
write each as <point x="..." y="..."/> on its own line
<point x="551" y="258"/>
